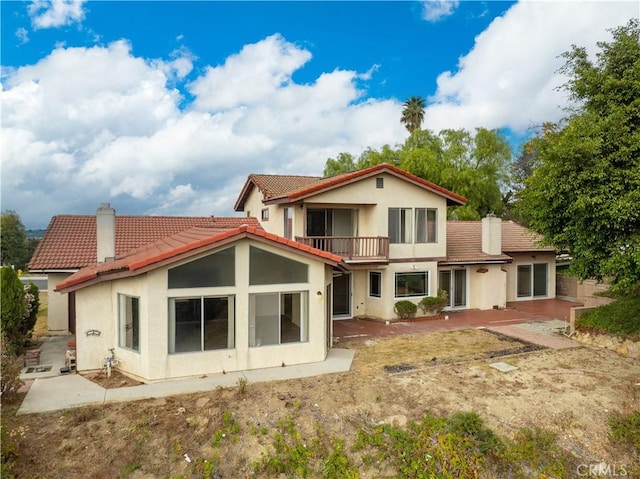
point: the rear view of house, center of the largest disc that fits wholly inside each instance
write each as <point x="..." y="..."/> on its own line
<point x="391" y="229"/>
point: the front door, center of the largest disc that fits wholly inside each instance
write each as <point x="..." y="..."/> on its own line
<point x="342" y="296"/>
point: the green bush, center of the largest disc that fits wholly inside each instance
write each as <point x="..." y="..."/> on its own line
<point x="433" y="305"/>
<point x="625" y="429"/>
<point x="13" y="308"/>
<point x="620" y="318"/>
<point x="405" y="309"/>
<point x="32" y="305"/>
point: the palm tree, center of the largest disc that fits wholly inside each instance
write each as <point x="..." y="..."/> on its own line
<point x="413" y="113"/>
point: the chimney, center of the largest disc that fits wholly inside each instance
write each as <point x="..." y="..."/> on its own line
<point x="106" y="233"/>
<point x="491" y="234"/>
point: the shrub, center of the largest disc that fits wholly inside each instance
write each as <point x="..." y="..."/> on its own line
<point x="405" y="309"/>
<point x="32" y="305"/>
<point x="433" y="305"/>
<point x="625" y="429"/>
<point x="621" y="318"/>
<point x="13" y="308"/>
<point x="11" y="366"/>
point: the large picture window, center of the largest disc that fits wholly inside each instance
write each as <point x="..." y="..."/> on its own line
<point x="269" y="268"/>
<point x="426" y="225"/>
<point x="400" y="225"/>
<point x="129" y="322"/>
<point x="412" y="284"/>
<point x="201" y="323"/>
<point x="532" y="280"/>
<point x="278" y="318"/>
<point x="214" y="270"/>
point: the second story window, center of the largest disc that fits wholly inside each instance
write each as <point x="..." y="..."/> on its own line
<point x="288" y="223"/>
<point x="426" y="225"/>
<point x="400" y="225"/>
<point x="265" y="214"/>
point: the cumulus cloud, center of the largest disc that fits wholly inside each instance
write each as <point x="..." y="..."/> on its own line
<point x="23" y="35"/>
<point x="510" y="78"/>
<point x="436" y="10"/>
<point x="89" y="125"/>
<point x="55" y="13"/>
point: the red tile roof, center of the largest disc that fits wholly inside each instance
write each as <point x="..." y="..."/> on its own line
<point x="464" y="242"/>
<point x="273" y="186"/>
<point x="276" y="188"/>
<point x="179" y="246"/>
<point x="69" y="242"/>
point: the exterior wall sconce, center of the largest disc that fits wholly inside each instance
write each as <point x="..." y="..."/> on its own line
<point x="319" y="294"/>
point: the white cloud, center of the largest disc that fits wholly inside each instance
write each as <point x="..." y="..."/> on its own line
<point x="509" y="78"/>
<point x="436" y="10"/>
<point x="90" y="125"/>
<point x="55" y="13"/>
<point x="23" y="35"/>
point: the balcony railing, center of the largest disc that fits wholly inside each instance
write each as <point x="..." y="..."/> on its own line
<point x="351" y="248"/>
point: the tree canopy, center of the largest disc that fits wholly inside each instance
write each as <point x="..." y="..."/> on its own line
<point x="472" y="165"/>
<point x="583" y="193"/>
<point x="13" y="241"/>
<point x="413" y="113"/>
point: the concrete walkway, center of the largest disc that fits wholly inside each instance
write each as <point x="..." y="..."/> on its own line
<point x="539" y="322"/>
<point x="73" y="390"/>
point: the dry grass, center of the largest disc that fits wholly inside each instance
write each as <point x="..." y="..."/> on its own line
<point x="420" y="349"/>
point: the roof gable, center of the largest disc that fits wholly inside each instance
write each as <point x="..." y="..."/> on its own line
<point x="70" y="243"/>
<point x="283" y="188"/>
<point x="180" y="246"/>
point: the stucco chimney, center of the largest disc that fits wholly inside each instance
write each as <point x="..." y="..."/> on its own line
<point x="491" y="234"/>
<point x="106" y="233"/>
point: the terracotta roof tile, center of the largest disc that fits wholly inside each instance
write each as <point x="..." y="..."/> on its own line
<point x="70" y="240"/>
<point x="464" y="241"/>
<point x="181" y="243"/>
<point x="273" y="186"/>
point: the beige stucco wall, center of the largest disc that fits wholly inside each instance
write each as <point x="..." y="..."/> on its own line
<point x="373" y="213"/>
<point x="530" y="258"/>
<point x="97" y="309"/>
<point x="58" y="308"/>
<point x="486" y="289"/>
<point x="382" y="308"/>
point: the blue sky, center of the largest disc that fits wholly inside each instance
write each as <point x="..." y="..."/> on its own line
<point x="166" y="107"/>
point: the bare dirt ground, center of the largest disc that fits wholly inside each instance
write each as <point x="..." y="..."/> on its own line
<point x="397" y="379"/>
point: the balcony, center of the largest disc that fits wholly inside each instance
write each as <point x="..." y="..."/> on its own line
<point x="351" y="248"/>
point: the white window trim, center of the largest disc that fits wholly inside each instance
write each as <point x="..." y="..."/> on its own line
<point x="379" y="273"/>
<point x="428" y="284"/>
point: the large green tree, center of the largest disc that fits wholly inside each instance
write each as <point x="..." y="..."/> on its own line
<point x="413" y="113"/>
<point x="474" y="165"/>
<point x="584" y="192"/>
<point x="13" y="240"/>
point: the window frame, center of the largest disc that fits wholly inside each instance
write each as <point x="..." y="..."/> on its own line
<point x="303" y="302"/>
<point x="402" y="235"/>
<point x="231" y="314"/>
<point x="427" y="286"/>
<point x="427" y="238"/>
<point x="378" y="275"/>
<point x="264" y="214"/>
<point x="123" y="300"/>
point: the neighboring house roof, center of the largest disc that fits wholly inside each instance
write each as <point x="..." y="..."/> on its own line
<point x="282" y="188"/>
<point x="464" y="242"/>
<point x="180" y="246"/>
<point x="70" y="243"/>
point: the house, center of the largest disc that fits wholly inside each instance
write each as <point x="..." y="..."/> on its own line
<point x="183" y="296"/>
<point x="204" y="300"/>
<point x="391" y="229"/>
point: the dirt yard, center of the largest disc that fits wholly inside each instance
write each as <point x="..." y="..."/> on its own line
<point x="397" y="379"/>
